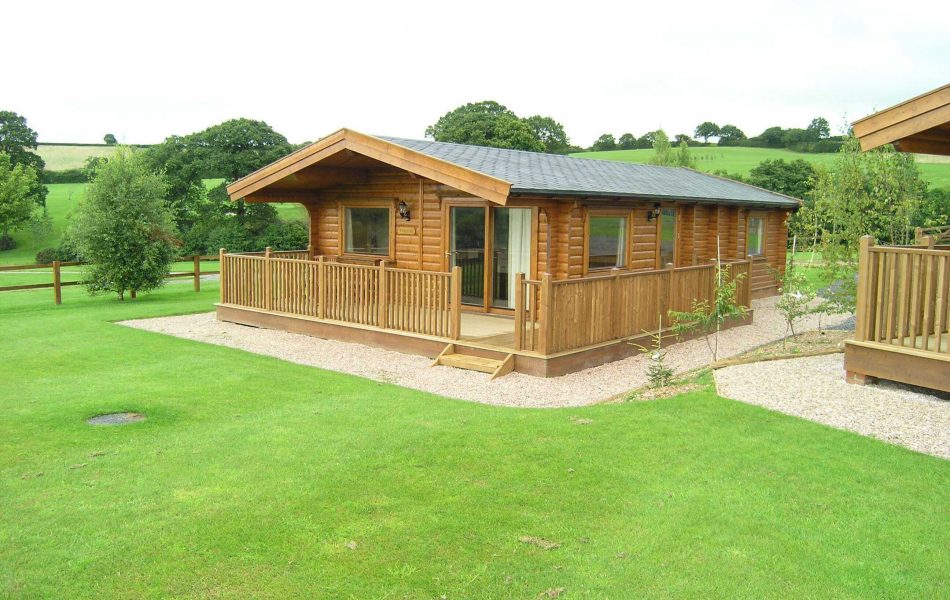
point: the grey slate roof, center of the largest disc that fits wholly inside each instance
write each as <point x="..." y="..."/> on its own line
<point x="552" y="174"/>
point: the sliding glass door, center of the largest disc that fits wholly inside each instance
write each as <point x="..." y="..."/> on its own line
<point x="467" y="250"/>
<point x="511" y="253"/>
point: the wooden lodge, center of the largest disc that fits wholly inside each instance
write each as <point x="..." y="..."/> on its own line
<point x="903" y="301"/>
<point x="496" y="259"/>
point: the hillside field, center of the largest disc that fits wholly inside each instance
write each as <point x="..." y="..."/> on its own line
<point x="62" y="199"/>
<point x="60" y="158"/>
<point x="934" y="169"/>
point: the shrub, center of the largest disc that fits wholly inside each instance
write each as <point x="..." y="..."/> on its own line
<point x="7" y="242"/>
<point x="285" y="235"/>
<point x="64" y="176"/>
<point x="46" y="256"/>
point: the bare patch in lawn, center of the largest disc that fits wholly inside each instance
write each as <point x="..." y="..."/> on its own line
<point x="122" y="418"/>
<point x="539" y="542"/>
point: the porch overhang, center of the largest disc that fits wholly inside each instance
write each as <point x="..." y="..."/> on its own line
<point x="288" y="178"/>
<point x="920" y="125"/>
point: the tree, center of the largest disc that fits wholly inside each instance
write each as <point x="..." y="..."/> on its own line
<point x="793" y="178"/>
<point x="706" y="130"/>
<point x="662" y="150"/>
<point x="486" y="123"/>
<point x="109" y="139"/>
<point x="234" y="148"/>
<point x="684" y="158"/>
<point x="819" y="128"/>
<point x="605" y="142"/>
<point x="123" y="227"/>
<point x="680" y="138"/>
<point x="729" y="134"/>
<point x="706" y="318"/>
<point x="18" y="142"/>
<point x="646" y="140"/>
<point x="773" y="137"/>
<point x="795" y="298"/>
<point x="550" y="133"/>
<point x="16" y="203"/>
<point x="627" y="141"/>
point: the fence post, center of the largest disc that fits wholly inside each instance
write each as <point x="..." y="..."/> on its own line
<point x="615" y="302"/>
<point x="864" y="277"/>
<point x="321" y="288"/>
<point x="667" y="304"/>
<point x="57" y="280"/>
<point x="519" y="311"/>
<point x="309" y="251"/>
<point x="222" y="277"/>
<point x="545" y="320"/>
<point x="197" y="271"/>
<point x="382" y="319"/>
<point x="456" y="302"/>
<point x="928" y="241"/>
<point x="268" y="280"/>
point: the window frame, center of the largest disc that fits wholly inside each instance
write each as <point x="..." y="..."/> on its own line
<point x="344" y="205"/>
<point x="627" y="215"/>
<point x="763" y="218"/>
<point x="676" y="235"/>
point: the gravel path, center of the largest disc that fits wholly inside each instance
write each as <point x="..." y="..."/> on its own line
<point x="813" y="388"/>
<point x="576" y="389"/>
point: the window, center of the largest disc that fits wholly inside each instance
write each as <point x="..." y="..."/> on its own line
<point x="667" y="236"/>
<point x="756" y="236"/>
<point x="607" y="242"/>
<point x="367" y="230"/>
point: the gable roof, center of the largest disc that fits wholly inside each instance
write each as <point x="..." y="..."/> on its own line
<point x="558" y="175"/>
<point x="496" y="173"/>
<point x="921" y="124"/>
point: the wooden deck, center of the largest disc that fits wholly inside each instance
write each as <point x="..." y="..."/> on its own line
<point x="557" y="326"/>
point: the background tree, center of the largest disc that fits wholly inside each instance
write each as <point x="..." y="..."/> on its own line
<point x="123" y="227"/>
<point x="18" y="142"/>
<point x="706" y="130"/>
<point x="237" y="147"/>
<point x="646" y="140"/>
<point x="550" y="133"/>
<point x="627" y="141"/>
<point x="796" y="179"/>
<point x="605" y="142"/>
<point x="16" y="203"/>
<point x="729" y="134"/>
<point x="486" y="123"/>
<point x="773" y="137"/>
<point x="680" y="138"/>
<point x="819" y="128"/>
<point x="684" y="158"/>
<point x="662" y="150"/>
<point x="109" y="139"/>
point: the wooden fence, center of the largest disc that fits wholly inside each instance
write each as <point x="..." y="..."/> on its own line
<point x="423" y="302"/>
<point x="57" y="282"/>
<point x="556" y="316"/>
<point x="903" y="297"/>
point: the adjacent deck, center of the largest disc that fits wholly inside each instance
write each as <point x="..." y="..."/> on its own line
<point x="556" y="327"/>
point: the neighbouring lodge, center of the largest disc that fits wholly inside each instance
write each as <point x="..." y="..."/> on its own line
<point x="496" y="259"/>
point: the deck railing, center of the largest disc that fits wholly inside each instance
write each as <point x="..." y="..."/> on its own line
<point x="422" y="302"/>
<point x="903" y="295"/>
<point x="559" y="315"/>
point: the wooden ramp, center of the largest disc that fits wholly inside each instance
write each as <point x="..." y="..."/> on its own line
<point x="496" y="364"/>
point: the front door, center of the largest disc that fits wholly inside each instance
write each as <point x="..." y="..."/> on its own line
<point x="467" y="250"/>
<point x="511" y="252"/>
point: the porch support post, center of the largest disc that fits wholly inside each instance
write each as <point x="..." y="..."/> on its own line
<point x="456" y="302"/>
<point x="861" y="332"/>
<point x="519" y="311"/>
<point x="382" y="318"/>
<point x="545" y="318"/>
<point x="321" y="288"/>
<point x="222" y="276"/>
<point x="268" y="280"/>
<point x="615" y="303"/>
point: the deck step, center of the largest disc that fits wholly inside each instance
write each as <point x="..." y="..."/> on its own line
<point x="472" y="363"/>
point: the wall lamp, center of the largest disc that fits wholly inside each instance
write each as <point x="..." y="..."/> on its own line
<point x="654" y="213"/>
<point x="403" y="209"/>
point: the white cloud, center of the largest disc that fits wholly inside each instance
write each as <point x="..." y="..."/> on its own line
<point x="393" y="68"/>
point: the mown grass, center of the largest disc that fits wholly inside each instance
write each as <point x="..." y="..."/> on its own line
<point x="251" y="476"/>
<point x="742" y="160"/>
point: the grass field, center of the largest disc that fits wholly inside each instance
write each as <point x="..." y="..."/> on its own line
<point x="933" y="169"/>
<point x="60" y="158"/>
<point x="62" y="199"/>
<point x="257" y="477"/>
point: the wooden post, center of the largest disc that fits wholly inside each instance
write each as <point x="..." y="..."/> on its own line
<point x="668" y="305"/>
<point x="864" y="283"/>
<point x="519" y="311"/>
<point x="383" y="298"/>
<point x="222" y="276"/>
<point x="268" y="280"/>
<point x="615" y="301"/>
<point x="197" y="260"/>
<point x="456" y="302"/>
<point x="321" y="288"/>
<point x="545" y="318"/>
<point x="928" y="241"/>
<point x="309" y="251"/>
<point x="57" y="280"/>
<point x="132" y="294"/>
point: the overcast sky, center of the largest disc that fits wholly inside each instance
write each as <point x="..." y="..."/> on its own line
<point x="146" y="71"/>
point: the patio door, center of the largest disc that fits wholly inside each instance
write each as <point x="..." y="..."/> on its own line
<point x="511" y="252"/>
<point x="467" y="225"/>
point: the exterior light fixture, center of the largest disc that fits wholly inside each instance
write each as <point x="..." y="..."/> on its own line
<point x="654" y="213"/>
<point x="403" y="210"/>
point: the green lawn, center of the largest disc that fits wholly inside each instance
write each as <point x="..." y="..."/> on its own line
<point x="935" y="170"/>
<point x="62" y="199"/>
<point x="251" y="477"/>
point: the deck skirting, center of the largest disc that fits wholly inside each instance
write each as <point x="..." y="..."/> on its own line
<point x="897" y="363"/>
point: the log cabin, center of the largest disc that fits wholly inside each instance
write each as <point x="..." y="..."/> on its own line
<point x="495" y="259"/>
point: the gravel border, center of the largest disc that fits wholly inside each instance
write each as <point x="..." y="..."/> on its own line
<point x="814" y="388"/>
<point x="517" y="389"/>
